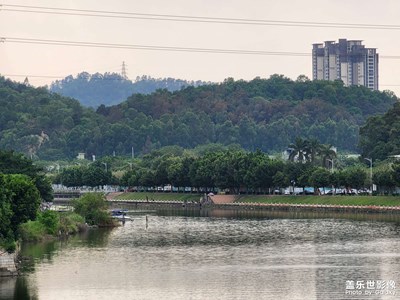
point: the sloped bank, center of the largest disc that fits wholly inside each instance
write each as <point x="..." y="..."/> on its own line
<point x="356" y="209"/>
<point x="312" y="207"/>
<point x="8" y="263"/>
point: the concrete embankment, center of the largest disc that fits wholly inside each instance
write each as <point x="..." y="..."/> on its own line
<point x="7" y="264"/>
<point x="312" y="208"/>
<point x="262" y="206"/>
<point x="153" y="204"/>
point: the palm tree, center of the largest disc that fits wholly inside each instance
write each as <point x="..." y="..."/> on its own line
<point x="327" y="152"/>
<point x="313" y="149"/>
<point x="298" y="150"/>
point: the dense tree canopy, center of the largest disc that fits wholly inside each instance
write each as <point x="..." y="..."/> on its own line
<point x="93" y="175"/>
<point x="380" y="136"/>
<point x="19" y="202"/>
<point x="24" y="200"/>
<point x="16" y="163"/>
<point x="266" y="114"/>
<point x="236" y="171"/>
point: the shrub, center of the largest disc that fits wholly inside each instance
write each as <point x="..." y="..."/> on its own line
<point x="71" y="223"/>
<point x="93" y="207"/>
<point x="32" y="231"/>
<point x="51" y="221"/>
<point x="8" y="244"/>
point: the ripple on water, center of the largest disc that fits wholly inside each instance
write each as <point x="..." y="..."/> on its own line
<point x="178" y="257"/>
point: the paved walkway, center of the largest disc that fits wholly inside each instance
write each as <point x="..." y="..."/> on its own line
<point x="222" y="199"/>
<point x="111" y="196"/>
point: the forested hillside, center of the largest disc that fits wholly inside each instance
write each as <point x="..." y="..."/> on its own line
<point x="380" y="137"/>
<point x="110" y="88"/>
<point x="39" y="124"/>
<point x="264" y="113"/>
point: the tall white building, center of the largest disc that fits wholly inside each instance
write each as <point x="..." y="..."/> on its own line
<point x="346" y="60"/>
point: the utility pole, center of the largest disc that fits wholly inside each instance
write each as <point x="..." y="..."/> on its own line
<point x="370" y="168"/>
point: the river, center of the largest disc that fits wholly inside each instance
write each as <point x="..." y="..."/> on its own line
<point x="216" y="255"/>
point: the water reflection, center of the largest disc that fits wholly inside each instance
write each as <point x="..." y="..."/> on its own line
<point x="214" y="254"/>
<point x="277" y="214"/>
<point x="16" y="288"/>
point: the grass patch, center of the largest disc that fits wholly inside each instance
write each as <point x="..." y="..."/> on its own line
<point x="159" y="196"/>
<point x="310" y="199"/>
<point x="327" y="200"/>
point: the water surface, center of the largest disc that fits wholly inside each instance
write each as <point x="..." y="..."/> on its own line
<point x="170" y="256"/>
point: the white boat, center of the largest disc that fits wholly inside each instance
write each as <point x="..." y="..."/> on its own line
<point x="120" y="214"/>
<point x="122" y="218"/>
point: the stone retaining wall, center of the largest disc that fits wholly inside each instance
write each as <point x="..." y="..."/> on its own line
<point x="264" y="206"/>
<point x="7" y="264"/>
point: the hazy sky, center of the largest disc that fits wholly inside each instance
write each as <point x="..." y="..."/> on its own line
<point x="48" y="60"/>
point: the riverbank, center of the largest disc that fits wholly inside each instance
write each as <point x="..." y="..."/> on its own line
<point x="323" y="200"/>
<point x="341" y="204"/>
<point x="8" y="265"/>
<point x="390" y="201"/>
<point x="363" y="209"/>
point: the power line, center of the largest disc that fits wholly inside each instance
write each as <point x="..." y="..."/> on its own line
<point x="104" y="78"/>
<point x="63" y="77"/>
<point x="185" y="18"/>
<point x="146" y="47"/>
<point x="159" y="48"/>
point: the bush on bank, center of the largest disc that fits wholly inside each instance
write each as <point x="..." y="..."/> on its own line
<point x="71" y="223"/>
<point x="90" y="209"/>
<point x="93" y="208"/>
<point x="50" y="224"/>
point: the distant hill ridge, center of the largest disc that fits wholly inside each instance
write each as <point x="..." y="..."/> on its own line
<point x="92" y="90"/>
<point x="266" y="114"/>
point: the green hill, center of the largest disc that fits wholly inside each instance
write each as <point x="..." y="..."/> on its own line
<point x="263" y="113"/>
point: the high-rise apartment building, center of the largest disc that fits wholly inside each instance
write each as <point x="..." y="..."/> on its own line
<point x="346" y="60"/>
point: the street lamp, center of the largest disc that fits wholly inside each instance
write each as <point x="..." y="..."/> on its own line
<point x="370" y="168"/>
<point x="333" y="187"/>
<point x="331" y="161"/>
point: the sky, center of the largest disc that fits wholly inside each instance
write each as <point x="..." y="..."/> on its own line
<point x="43" y="63"/>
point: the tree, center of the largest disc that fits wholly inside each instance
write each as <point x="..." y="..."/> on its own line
<point x="96" y="175"/>
<point x="354" y="177"/>
<point x="379" y="137"/>
<point x="229" y="170"/>
<point x="320" y="177"/>
<point x="327" y="153"/>
<point x="385" y="180"/>
<point x="396" y="173"/>
<point x="72" y="177"/>
<point x="312" y="149"/>
<point x="24" y="200"/>
<point x="298" y="150"/>
<point x="6" y="233"/>
<point x="202" y="171"/>
<point x="94" y="208"/>
<point x="16" y="163"/>
<point x="280" y="180"/>
<point x="299" y="174"/>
